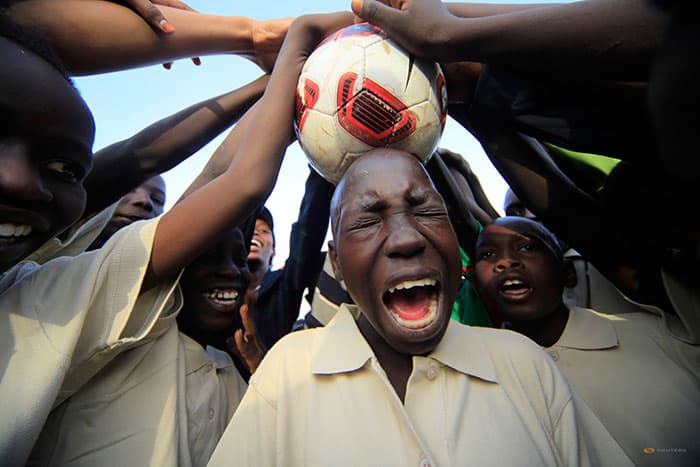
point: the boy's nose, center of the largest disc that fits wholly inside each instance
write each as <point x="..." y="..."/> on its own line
<point x="19" y="178"/>
<point x="228" y="269"/>
<point x="142" y="200"/>
<point x="507" y="263"/>
<point x="404" y="241"/>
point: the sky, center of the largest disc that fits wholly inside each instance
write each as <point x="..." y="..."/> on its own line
<point x="125" y="102"/>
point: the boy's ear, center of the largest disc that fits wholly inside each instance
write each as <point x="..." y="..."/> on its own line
<point x="333" y="254"/>
<point x="570" y="278"/>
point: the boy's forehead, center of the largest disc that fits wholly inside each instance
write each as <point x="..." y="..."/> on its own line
<point x="39" y="100"/>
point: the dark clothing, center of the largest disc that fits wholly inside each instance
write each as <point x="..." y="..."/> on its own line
<point x="281" y="291"/>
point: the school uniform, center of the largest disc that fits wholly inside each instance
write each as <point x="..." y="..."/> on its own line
<point x="65" y="320"/>
<point x="164" y="403"/>
<point x="635" y="376"/>
<point x="482" y="397"/>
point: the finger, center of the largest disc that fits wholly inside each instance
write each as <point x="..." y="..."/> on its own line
<point x="168" y="65"/>
<point x="232" y="347"/>
<point x="175" y="4"/>
<point x="196" y="60"/>
<point x="376" y="12"/>
<point x="152" y="15"/>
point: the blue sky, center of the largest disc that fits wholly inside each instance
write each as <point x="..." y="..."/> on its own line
<point x="125" y="102"/>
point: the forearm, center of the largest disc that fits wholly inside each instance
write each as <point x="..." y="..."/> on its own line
<point x="607" y="37"/>
<point x="477" y="10"/>
<point x="95" y="36"/>
<point x="308" y="234"/>
<point x="227" y="200"/>
<point x="122" y="166"/>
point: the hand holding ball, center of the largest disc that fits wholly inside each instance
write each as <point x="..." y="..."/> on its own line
<point x="359" y="90"/>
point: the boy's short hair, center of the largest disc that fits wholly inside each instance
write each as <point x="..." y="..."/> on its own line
<point x="32" y="40"/>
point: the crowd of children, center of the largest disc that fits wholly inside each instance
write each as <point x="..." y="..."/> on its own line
<point x="444" y="334"/>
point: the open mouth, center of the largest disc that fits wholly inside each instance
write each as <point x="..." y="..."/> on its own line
<point x="256" y="243"/>
<point x="413" y="304"/>
<point x="222" y="299"/>
<point x="514" y="290"/>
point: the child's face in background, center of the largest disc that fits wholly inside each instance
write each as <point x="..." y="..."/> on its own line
<point x="214" y="285"/>
<point x="517" y="276"/>
<point x="46" y="140"/>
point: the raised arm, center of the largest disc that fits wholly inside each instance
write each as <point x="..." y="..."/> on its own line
<point x="122" y="166"/>
<point x="194" y="223"/>
<point x="96" y="36"/>
<point x="613" y="39"/>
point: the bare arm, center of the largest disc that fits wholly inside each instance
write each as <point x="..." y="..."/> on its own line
<point x="96" y="36"/>
<point x="194" y="223"/>
<point x="122" y="166"/>
<point x="595" y="38"/>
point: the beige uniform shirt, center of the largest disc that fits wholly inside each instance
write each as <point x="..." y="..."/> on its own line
<point x="165" y="403"/>
<point x="483" y="397"/>
<point x="631" y="373"/>
<point x="593" y="290"/>
<point x="76" y="239"/>
<point x="62" y="322"/>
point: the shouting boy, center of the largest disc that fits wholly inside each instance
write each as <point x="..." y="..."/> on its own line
<point x="638" y="378"/>
<point x="405" y="385"/>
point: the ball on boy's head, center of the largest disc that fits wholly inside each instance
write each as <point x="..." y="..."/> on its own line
<point x="359" y="90"/>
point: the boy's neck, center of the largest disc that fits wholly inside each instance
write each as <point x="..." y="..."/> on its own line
<point x="396" y="365"/>
<point x="545" y="331"/>
<point x="203" y="338"/>
<point x="257" y="273"/>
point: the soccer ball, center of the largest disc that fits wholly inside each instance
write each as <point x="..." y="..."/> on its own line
<point x="359" y="90"/>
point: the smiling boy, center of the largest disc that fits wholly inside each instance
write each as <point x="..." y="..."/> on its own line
<point x="66" y="320"/>
<point x="406" y="385"/>
<point x="639" y="380"/>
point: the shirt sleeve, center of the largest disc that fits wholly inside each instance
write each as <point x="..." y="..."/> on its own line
<point x="251" y="436"/>
<point x="582" y="439"/>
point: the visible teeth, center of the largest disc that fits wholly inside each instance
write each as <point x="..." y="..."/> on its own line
<point x="513" y="282"/>
<point x="410" y="284"/>
<point x="257" y="243"/>
<point x="224" y="296"/>
<point x="15" y="230"/>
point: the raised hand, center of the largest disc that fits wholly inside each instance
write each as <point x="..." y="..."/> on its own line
<point x="422" y="27"/>
<point x="246" y="343"/>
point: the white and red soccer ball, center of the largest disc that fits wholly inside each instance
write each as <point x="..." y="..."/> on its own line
<point x="359" y="90"/>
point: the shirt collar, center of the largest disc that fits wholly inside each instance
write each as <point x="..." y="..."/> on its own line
<point x="586" y="330"/>
<point x="341" y="348"/>
<point x="196" y="357"/>
<point x="462" y="349"/>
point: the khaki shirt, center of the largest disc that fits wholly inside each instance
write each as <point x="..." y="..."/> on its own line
<point x="65" y="320"/>
<point x="631" y="373"/>
<point x="482" y="397"/>
<point x="164" y="403"/>
<point x="76" y="239"/>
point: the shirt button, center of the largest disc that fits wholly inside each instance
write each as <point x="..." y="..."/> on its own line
<point x="211" y="413"/>
<point x="425" y="463"/>
<point x="554" y="354"/>
<point x="432" y="372"/>
<point x="209" y="367"/>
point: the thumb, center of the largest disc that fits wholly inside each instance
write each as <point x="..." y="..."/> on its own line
<point x="376" y="12"/>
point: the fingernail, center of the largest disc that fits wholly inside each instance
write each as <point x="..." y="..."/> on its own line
<point x="166" y="27"/>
